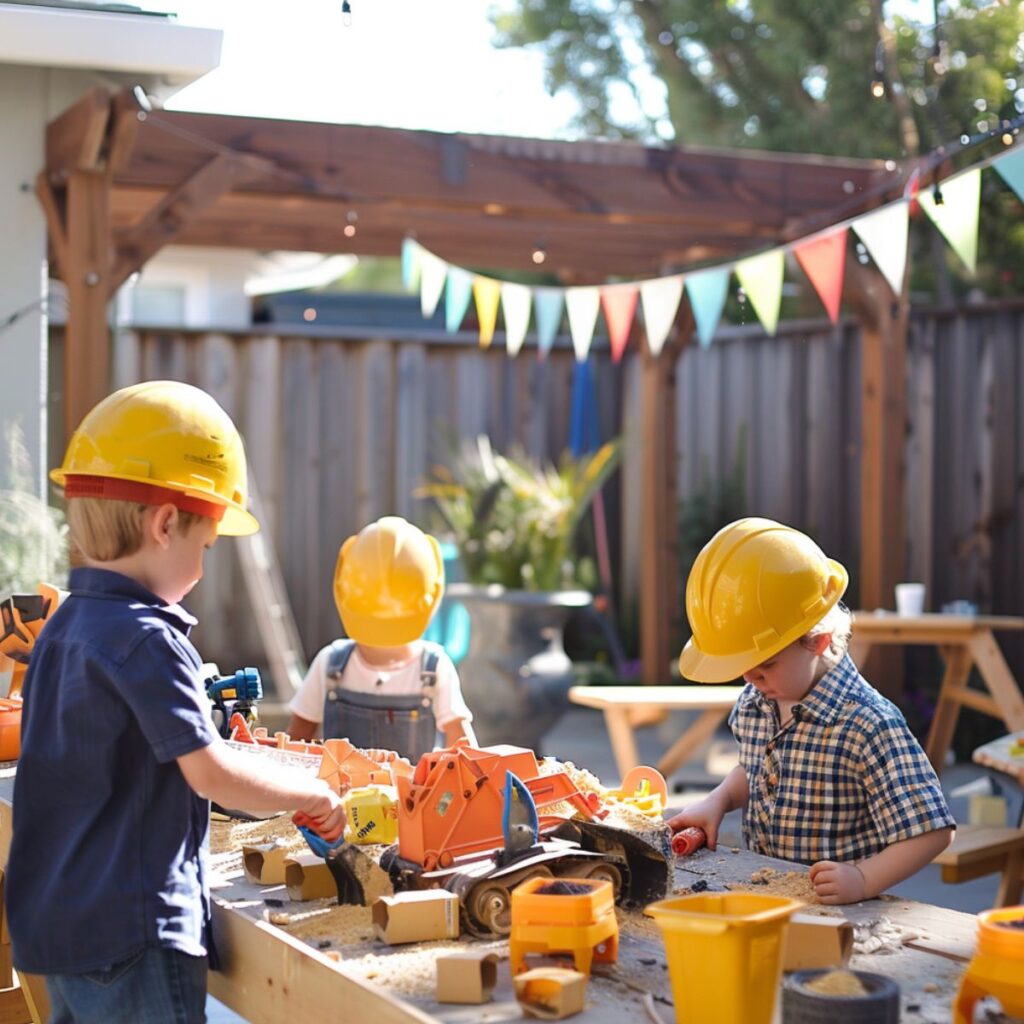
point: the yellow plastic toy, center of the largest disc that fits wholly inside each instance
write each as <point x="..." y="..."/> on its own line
<point x="565" y="915"/>
<point x="372" y="814"/>
<point x="997" y="968"/>
<point x="724" y="954"/>
<point x="644" y="789"/>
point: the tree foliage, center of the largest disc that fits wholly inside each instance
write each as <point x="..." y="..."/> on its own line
<point x="789" y="75"/>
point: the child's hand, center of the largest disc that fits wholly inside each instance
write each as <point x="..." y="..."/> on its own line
<point x="324" y="813"/>
<point x="838" y="883"/>
<point x="706" y="814"/>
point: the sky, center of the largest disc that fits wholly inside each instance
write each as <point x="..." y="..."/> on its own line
<point x="427" y="64"/>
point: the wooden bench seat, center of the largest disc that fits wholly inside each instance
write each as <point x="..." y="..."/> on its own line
<point x="980" y="850"/>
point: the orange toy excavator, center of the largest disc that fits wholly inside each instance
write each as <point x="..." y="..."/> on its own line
<point x="22" y="617"/>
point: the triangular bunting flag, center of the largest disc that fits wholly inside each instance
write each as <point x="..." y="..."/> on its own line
<point x="660" y="299"/>
<point x="1011" y="169"/>
<point x="547" y="306"/>
<point x="411" y="250"/>
<point x="582" y="305"/>
<point x="515" y="304"/>
<point x="456" y="298"/>
<point x="619" y="304"/>
<point x="761" y="278"/>
<point x="824" y="261"/>
<point x="487" y="293"/>
<point x="433" y="272"/>
<point x="884" y="234"/>
<point x="706" y="291"/>
<point x="957" y="216"/>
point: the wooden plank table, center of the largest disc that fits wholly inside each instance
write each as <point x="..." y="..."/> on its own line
<point x="270" y="976"/>
<point x="963" y="641"/>
<point x="618" y="702"/>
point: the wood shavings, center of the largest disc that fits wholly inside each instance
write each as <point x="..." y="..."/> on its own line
<point x="877" y="936"/>
<point x="836" y="983"/>
<point x="794" y="884"/>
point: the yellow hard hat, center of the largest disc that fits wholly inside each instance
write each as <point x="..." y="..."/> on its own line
<point x="161" y="441"/>
<point x="755" y="588"/>
<point x="388" y="583"/>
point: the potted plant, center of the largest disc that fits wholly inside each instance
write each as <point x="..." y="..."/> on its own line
<point x="514" y="522"/>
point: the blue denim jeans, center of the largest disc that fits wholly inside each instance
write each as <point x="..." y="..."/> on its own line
<point x="153" y="986"/>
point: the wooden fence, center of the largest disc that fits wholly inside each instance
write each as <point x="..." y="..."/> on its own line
<point x="341" y="429"/>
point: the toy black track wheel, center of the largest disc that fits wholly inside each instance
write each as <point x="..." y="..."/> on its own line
<point x="605" y="872"/>
<point x="490" y="907"/>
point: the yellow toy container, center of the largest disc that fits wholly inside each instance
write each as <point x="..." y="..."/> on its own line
<point x="372" y="814"/>
<point x="564" y="915"/>
<point x="997" y="968"/>
<point x="724" y="954"/>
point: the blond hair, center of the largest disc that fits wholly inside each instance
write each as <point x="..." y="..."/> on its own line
<point x="838" y="623"/>
<point x="103" y="529"/>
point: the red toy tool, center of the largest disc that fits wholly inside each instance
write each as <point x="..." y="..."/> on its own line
<point x="688" y="841"/>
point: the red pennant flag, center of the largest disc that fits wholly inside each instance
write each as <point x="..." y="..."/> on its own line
<point x="619" y="305"/>
<point x="824" y="262"/>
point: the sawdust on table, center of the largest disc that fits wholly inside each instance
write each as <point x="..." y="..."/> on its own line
<point x="794" y="884"/>
<point x="230" y="836"/>
<point x="836" y="983"/>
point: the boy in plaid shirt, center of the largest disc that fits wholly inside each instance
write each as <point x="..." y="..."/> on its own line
<point x="829" y="773"/>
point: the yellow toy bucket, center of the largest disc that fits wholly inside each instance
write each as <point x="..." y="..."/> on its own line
<point x="724" y="954"/>
<point x="997" y="968"/>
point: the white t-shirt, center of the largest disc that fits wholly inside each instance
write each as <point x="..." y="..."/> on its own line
<point x="449" y="704"/>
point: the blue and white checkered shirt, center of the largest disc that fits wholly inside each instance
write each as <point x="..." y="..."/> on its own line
<point x="842" y="780"/>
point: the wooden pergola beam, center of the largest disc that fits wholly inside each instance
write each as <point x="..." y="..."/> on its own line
<point x="74" y="139"/>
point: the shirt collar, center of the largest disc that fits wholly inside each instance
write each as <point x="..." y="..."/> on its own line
<point x="114" y="586"/>
<point x="825" y="702"/>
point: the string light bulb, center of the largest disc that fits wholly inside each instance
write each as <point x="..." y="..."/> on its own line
<point x="878" y="88"/>
<point x="346" y="13"/>
<point x="539" y="255"/>
<point x="937" y="195"/>
<point x="1007" y="139"/>
<point x="350" y="228"/>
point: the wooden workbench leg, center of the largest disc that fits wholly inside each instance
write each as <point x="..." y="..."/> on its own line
<point x="686" y="746"/>
<point x="1010" y="883"/>
<point x="620" y="732"/>
<point x="947" y="709"/>
<point x="999" y="679"/>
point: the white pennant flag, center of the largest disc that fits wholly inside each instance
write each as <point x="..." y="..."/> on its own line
<point x="433" y="272"/>
<point x="660" y="300"/>
<point x="515" y="304"/>
<point x="582" y="305"/>
<point x="884" y="234"/>
<point x="957" y="215"/>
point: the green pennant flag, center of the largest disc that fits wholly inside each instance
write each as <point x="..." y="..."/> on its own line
<point x="761" y="278"/>
<point x="957" y="215"/>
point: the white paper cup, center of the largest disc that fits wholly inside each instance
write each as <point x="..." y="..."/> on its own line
<point x="909" y="598"/>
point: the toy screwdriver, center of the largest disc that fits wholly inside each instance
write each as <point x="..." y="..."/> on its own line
<point x="688" y="840"/>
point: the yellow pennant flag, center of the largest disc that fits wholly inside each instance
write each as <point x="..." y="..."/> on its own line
<point x="957" y="215"/>
<point x="761" y="278"/>
<point x="487" y="294"/>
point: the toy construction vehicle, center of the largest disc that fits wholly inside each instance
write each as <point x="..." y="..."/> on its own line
<point x="468" y="822"/>
<point x="232" y="695"/>
<point x="22" y="617"/>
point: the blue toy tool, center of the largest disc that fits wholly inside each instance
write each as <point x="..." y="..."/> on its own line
<point x="519" y="823"/>
<point x="237" y="692"/>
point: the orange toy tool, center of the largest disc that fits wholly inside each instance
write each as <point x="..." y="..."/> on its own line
<point x="688" y="841"/>
<point x="565" y="915"/>
<point x="22" y="617"/>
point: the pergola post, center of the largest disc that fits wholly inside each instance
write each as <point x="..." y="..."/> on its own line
<point x="883" y="320"/>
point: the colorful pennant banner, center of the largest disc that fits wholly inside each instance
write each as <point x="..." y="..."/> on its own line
<point x="822" y="257"/>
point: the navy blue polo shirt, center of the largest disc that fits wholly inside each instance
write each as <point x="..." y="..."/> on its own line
<point x="110" y="843"/>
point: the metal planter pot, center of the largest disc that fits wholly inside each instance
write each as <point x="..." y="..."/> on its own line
<point x="516" y="674"/>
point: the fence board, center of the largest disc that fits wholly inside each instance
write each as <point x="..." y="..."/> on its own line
<point x="340" y="430"/>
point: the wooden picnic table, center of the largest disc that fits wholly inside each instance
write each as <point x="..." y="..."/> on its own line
<point x="997" y="755"/>
<point x="964" y="641"/>
<point x="619" y="703"/>
<point x="270" y="975"/>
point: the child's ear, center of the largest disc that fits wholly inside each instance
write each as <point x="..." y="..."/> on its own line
<point x="820" y="643"/>
<point x="161" y="523"/>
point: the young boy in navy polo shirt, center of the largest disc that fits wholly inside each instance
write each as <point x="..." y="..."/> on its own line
<point x="829" y="773"/>
<point x="107" y="891"/>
